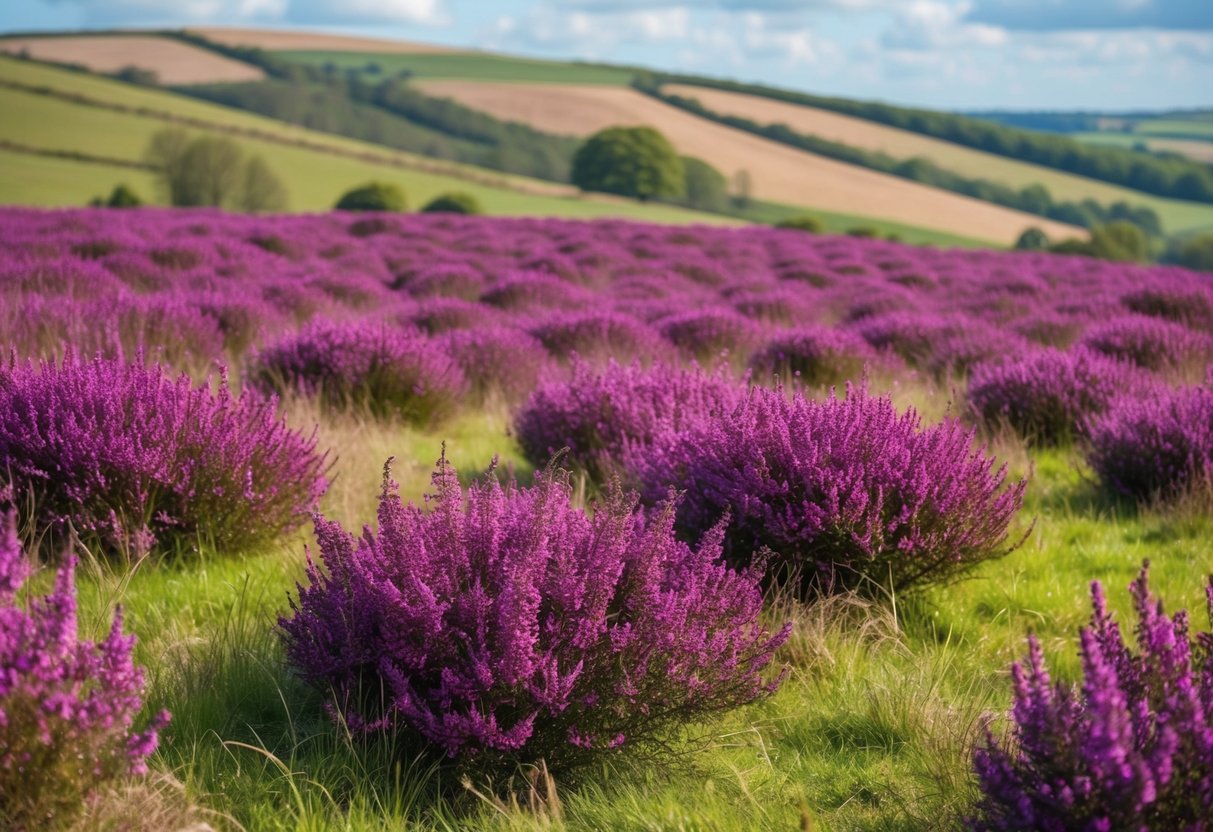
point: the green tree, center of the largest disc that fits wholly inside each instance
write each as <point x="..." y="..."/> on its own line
<point x="1197" y="252"/>
<point x="706" y="187"/>
<point x="202" y="171"/>
<point x="1032" y="239"/>
<point x="636" y="162"/>
<point x="453" y="203"/>
<point x="1035" y="199"/>
<point x="373" y="196"/>
<point x="120" y="197"/>
<point x="261" y="190"/>
<point x="742" y="190"/>
<point x="1121" y="240"/>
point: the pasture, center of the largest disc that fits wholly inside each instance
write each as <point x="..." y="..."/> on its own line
<point x="479" y="339"/>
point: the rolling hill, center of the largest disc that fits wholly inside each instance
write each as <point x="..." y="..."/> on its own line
<point x="778" y="173"/>
<point x="1177" y="215"/>
<point x="53" y="113"/>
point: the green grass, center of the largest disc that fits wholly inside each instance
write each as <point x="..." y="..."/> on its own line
<point x="49" y="182"/>
<point x="872" y="730"/>
<point x="470" y="66"/>
<point x="770" y="213"/>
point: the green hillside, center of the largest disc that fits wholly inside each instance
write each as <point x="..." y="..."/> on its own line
<point x="317" y="167"/>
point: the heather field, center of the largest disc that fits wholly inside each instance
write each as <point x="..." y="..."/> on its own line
<point x="437" y="522"/>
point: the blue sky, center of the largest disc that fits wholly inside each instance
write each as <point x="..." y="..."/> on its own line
<point x="1009" y="54"/>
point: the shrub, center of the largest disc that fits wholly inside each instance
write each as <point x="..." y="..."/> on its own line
<point x="453" y="203"/>
<point x="847" y="493"/>
<point x="1153" y="343"/>
<point x="599" y="336"/>
<point x="815" y="356"/>
<point x="1132" y="748"/>
<point x="123" y="197"/>
<point x="937" y="343"/>
<point x="127" y="455"/>
<point x="373" y="196"/>
<point x="1046" y="396"/>
<point x="390" y="371"/>
<point x="1190" y="307"/>
<point x="497" y="359"/>
<point x="67" y="706"/>
<point x="806" y="222"/>
<point x="1155" y="446"/>
<point x="595" y="413"/>
<point x="635" y="162"/>
<point x="506" y="625"/>
<point x="709" y="334"/>
<point x="706" y="187"/>
<point x="1032" y="239"/>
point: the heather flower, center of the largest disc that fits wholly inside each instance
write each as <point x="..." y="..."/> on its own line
<point x="1192" y="307"/>
<point x="497" y="360"/>
<point x="507" y="625"/>
<point x="1047" y="395"/>
<point x="814" y="356"/>
<point x="1155" y="446"/>
<point x="67" y="706"/>
<point x="936" y="343"/>
<point x="846" y="493"/>
<point x="1153" y="343"/>
<point x="1131" y="748"/>
<point x="596" y="412"/>
<point x="536" y="290"/>
<point x="707" y="335"/>
<point x="599" y="337"/>
<point x="391" y="371"/>
<point x="131" y="456"/>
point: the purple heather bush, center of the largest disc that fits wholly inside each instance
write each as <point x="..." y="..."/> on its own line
<point x="1131" y="748"/>
<point x="709" y="334"/>
<point x="596" y="412"/>
<point x="1192" y="307"/>
<point x="847" y="493"/>
<point x="497" y="360"/>
<point x="128" y="456"/>
<point x="1047" y="396"/>
<point x="504" y="625"/>
<point x="366" y="363"/>
<point x="1158" y="446"/>
<point x="599" y="337"/>
<point x="449" y="280"/>
<point x="67" y="706"/>
<point x="445" y="314"/>
<point x="814" y="356"/>
<point x="525" y="291"/>
<point x="1153" y="343"/>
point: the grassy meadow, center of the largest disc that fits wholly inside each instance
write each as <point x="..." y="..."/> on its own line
<point x="870" y="731"/>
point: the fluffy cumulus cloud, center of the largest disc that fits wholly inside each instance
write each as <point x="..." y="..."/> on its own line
<point x="300" y="12"/>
